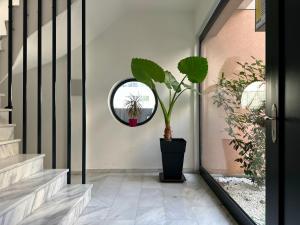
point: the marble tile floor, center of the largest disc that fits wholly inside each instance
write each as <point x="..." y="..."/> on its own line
<point x="140" y="199"/>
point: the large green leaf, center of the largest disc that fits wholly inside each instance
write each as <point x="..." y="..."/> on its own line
<point x="147" y="71"/>
<point x="194" y="67"/>
<point x="171" y="82"/>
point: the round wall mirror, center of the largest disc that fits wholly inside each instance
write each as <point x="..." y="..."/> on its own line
<point x="133" y="103"/>
<point x="254" y="95"/>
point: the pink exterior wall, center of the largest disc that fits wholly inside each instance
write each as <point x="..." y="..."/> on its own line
<point x="236" y="41"/>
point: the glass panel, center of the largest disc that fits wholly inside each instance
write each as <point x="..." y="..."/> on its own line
<point x="233" y="111"/>
<point x="133" y="103"/>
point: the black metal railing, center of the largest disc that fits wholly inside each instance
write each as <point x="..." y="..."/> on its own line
<point x="83" y="91"/>
<point x="39" y="78"/>
<point x="53" y="84"/>
<point x="40" y="75"/>
<point x="69" y="72"/>
<point x="10" y="59"/>
<point x="25" y="34"/>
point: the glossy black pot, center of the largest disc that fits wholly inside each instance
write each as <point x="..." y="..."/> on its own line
<point x="172" y="158"/>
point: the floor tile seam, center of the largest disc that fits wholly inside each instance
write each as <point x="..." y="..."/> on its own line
<point x="115" y="197"/>
<point x="184" y="205"/>
<point x="139" y="200"/>
<point x="106" y="185"/>
<point x="164" y="205"/>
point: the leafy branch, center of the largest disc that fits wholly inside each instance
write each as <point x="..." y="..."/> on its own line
<point x="246" y="127"/>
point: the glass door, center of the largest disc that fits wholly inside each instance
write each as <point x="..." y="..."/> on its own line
<point x="233" y="109"/>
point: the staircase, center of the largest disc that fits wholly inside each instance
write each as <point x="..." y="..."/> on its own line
<point x="18" y="32"/>
<point x="30" y="194"/>
<point x="32" y="30"/>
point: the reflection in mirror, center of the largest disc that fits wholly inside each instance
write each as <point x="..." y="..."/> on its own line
<point x="133" y="103"/>
<point x="254" y="95"/>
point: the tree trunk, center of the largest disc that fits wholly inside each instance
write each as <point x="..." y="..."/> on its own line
<point x="168" y="133"/>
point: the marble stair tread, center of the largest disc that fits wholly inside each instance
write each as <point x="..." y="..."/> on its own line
<point x="5" y="110"/>
<point x="63" y="209"/>
<point x="7" y="133"/>
<point x="9" y="141"/>
<point x="17" y="160"/>
<point x="7" y="125"/>
<point x="15" y="194"/>
<point x="9" y="148"/>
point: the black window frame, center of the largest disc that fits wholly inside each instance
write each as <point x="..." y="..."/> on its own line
<point x="232" y="206"/>
<point x="111" y="101"/>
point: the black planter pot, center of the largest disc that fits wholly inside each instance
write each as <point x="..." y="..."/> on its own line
<point x="172" y="159"/>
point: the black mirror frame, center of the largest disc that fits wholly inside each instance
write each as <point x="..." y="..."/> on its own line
<point x="112" y="95"/>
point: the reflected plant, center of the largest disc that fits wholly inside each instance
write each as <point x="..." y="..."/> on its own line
<point x="246" y="126"/>
<point x="133" y="106"/>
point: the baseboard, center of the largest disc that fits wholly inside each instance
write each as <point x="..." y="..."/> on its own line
<point x="129" y="171"/>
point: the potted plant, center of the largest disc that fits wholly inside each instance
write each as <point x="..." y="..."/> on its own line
<point x="134" y="109"/>
<point x="194" y="69"/>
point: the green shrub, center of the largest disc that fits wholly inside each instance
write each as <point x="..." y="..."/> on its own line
<point x="246" y="127"/>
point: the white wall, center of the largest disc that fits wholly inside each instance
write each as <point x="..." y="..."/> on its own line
<point x="61" y="104"/>
<point x="32" y="28"/>
<point x="162" y="37"/>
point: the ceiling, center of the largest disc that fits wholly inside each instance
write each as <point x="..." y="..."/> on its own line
<point x="101" y="14"/>
<point x="144" y="5"/>
<point x="163" y="5"/>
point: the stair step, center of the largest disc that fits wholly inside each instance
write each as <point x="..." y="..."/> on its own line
<point x="9" y="148"/>
<point x="4" y="113"/>
<point x="18" y="167"/>
<point x="7" y="132"/>
<point x="1" y="94"/>
<point x="63" y="209"/>
<point x="21" y="199"/>
<point x="16" y="2"/>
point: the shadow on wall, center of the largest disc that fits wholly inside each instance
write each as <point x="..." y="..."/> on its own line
<point x="154" y="35"/>
<point x="235" y="41"/>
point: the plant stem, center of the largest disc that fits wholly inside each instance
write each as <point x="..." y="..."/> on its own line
<point x="174" y="97"/>
<point x="180" y="94"/>
<point x="177" y="89"/>
<point x="161" y="105"/>
<point x="167" y="113"/>
<point x="168" y="132"/>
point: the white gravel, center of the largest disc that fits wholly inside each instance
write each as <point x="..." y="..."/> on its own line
<point x="249" y="196"/>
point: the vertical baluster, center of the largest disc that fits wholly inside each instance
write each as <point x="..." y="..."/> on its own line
<point x="39" y="80"/>
<point x="83" y="91"/>
<point x="10" y="58"/>
<point x="25" y="29"/>
<point x="54" y="84"/>
<point x="69" y="56"/>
